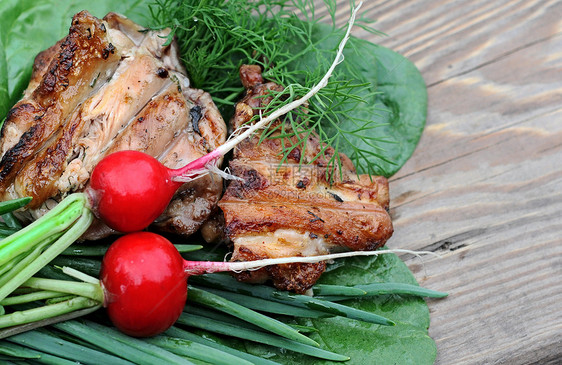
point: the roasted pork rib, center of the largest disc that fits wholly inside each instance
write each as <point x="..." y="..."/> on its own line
<point x="283" y="209"/>
<point x="108" y="86"/>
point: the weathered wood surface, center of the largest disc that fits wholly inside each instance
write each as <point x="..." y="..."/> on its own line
<point x="484" y="186"/>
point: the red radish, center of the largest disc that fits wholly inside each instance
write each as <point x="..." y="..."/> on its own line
<point x="144" y="280"/>
<point x="144" y="284"/>
<point x="132" y="203"/>
<point x="129" y="190"/>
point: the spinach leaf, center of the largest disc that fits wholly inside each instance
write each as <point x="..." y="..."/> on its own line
<point x="380" y="133"/>
<point x="30" y="26"/>
<point x="406" y="343"/>
<point x="399" y="107"/>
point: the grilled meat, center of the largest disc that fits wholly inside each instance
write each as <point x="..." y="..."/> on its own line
<point x="108" y="86"/>
<point x="281" y="209"/>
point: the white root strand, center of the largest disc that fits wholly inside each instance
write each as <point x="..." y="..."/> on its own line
<point x="258" y="264"/>
<point x="210" y="168"/>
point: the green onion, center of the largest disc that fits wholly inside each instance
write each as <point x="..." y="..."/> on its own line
<point x="257" y="336"/>
<point x="31" y="297"/>
<point x="264" y="305"/>
<point x="380" y="289"/>
<point x="303" y="329"/>
<point x="88" y="266"/>
<point x="178" y="333"/>
<point x="85" y="218"/>
<point x="59" y="299"/>
<point x="23" y="261"/>
<point x="188" y="248"/>
<point x="57" y="220"/>
<point x="9" y="265"/>
<point x="11" y="205"/>
<point x="87" y="290"/>
<point x="340" y="290"/>
<point x="267" y="323"/>
<point x="119" y="344"/>
<point x="218" y="316"/>
<point x="27" y="353"/>
<point x="304" y="301"/>
<point x="47" y="343"/>
<point x="197" y="351"/>
<point x="48" y="311"/>
<point x="204" y="312"/>
<point x="78" y="250"/>
<point x="18" y="351"/>
<point x="10" y="331"/>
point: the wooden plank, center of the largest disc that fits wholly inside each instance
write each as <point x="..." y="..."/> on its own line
<point x="484" y="186"/>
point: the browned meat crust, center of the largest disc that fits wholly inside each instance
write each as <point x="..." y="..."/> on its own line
<point x="106" y="87"/>
<point x="281" y="209"/>
<point x="84" y="53"/>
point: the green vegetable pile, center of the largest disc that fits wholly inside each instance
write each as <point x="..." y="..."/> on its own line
<point x="373" y="110"/>
<point x="224" y="320"/>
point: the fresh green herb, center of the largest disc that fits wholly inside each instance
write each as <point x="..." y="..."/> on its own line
<point x="19" y="353"/>
<point x="29" y="297"/>
<point x="268" y="306"/>
<point x="215" y="326"/>
<point x="363" y="102"/>
<point x="303" y="301"/>
<point x="47" y="311"/>
<point x="178" y="333"/>
<point x="42" y="240"/>
<point x="214" y="301"/>
<point x="11" y="205"/>
<point x="46" y="342"/>
<point x="114" y="342"/>
<point x="334" y="293"/>
<point x="197" y="351"/>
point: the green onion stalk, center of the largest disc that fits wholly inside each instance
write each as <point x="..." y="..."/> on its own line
<point x="27" y="250"/>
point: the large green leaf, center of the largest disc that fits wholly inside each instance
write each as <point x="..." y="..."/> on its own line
<point x="30" y="26"/>
<point x="400" y="105"/>
<point x="394" y="107"/>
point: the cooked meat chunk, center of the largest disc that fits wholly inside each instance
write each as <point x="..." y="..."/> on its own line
<point x="285" y="209"/>
<point x="106" y="87"/>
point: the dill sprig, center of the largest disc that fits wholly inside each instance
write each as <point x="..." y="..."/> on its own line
<point x="282" y="36"/>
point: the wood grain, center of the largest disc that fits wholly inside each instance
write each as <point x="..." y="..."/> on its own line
<point x="484" y="186"/>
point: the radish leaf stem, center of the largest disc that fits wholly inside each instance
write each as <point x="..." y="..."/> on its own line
<point x="48" y="311"/>
<point x="88" y="290"/>
<point x="85" y="218"/>
<point x="31" y="297"/>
